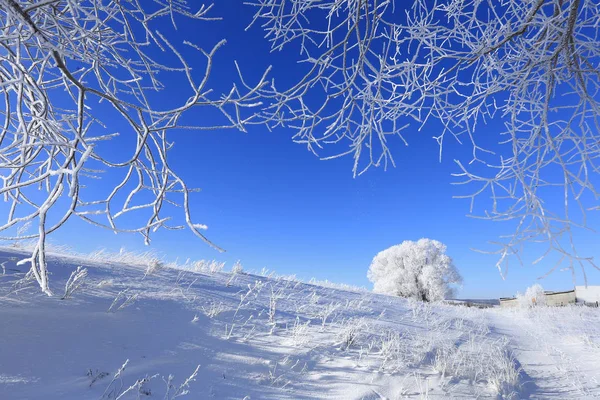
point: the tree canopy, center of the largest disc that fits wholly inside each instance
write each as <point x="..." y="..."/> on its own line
<point x="418" y="270"/>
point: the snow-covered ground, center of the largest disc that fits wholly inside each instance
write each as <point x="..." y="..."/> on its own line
<point x="242" y="336"/>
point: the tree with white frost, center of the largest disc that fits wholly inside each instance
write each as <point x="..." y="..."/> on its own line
<point x="533" y="296"/>
<point x="419" y="270"/>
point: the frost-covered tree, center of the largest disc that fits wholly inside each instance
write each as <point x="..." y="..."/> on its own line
<point x="419" y="270"/>
<point x="74" y="75"/>
<point x="533" y="296"/>
<point x="529" y="67"/>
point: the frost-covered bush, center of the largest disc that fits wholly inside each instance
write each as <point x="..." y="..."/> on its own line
<point x="216" y="266"/>
<point x="237" y="268"/>
<point x="200" y="266"/>
<point x="153" y="267"/>
<point x="419" y="270"/>
<point x="350" y="331"/>
<point x="208" y="266"/>
<point x="76" y="280"/>
<point x="534" y="296"/>
<point x="481" y="360"/>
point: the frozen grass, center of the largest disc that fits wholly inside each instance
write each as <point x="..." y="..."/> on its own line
<point x="480" y="360"/>
<point x="154" y="262"/>
<point x="273" y="337"/>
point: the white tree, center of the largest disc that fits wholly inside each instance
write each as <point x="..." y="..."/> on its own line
<point x="68" y="70"/>
<point x="534" y="296"/>
<point x="420" y="270"/>
<point x="531" y="66"/>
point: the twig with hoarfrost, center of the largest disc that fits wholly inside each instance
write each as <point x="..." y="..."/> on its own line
<point x="299" y="333"/>
<point x="249" y="334"/>
<point x="275" y="296"/>
<point x="182" y="389"/>
<point x="216" y="266"/>
<point x="252" y="289"/>
<point x="214" y="309"/>
<point x="229" y="331"/>
<point x="153" y="267"/>
<point x="274" y="379"/>
<point x="326" y="311"/>
<point x="526" y="69"/>
<point x="235" y="270"/>
<point x="181" y="275"/>
<point x="350" y="330"/>
<point x="76" y="280"/>
<point x="111" y="391"/>
<point x="62" y="61"/>
<point x="96" y="376"/>
<point x="211" y="267"/>
<point x="123" y="300"/>
<point x="138" y="387"/>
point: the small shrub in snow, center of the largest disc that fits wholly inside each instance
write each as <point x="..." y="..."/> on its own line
<point x="76" y="280"/>
<point x="172" y="391"/>
<point x="154" y="266"/>
<point x="299" y="333"/>
<point x="326" y="312"/>
<point x="237" y="268"/>
<point x="392" y="350"/>
<point x="200" y="266"/>
<point x="419" y="270"/>
<point x="252" y="290"/>
<point x="350" y="332"/>
<point x="482" y="361"/>
<point x="95" y="376"/>
<point x="138" y="387"/>
<point x="274" y="378"/>
<point x="214" y="309"/>
<point x="229" y="331"/>
<point x="105" y="283"/>
<point x="276" y="295"/>
<point x="115" y="389"/>
<point x="534" y="296"/>
<point x="216" y="266"/>
<point x="211" y="267"/>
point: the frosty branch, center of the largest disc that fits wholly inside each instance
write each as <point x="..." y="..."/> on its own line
<point x="68" y="67"/>
<point x="530" y="66"/>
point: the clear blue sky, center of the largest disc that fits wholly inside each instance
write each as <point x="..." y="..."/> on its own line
<point x="271" y="203"/>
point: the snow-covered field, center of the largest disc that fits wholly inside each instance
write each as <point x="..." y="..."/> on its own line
<point x="134" y="333"/>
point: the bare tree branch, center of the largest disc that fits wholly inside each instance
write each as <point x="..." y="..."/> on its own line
<point x="59" y="61"/>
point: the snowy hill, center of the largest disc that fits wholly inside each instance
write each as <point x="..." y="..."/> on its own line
<point x="136" y="331"/>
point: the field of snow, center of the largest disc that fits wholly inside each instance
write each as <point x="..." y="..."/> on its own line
<point x="135" y="331"/>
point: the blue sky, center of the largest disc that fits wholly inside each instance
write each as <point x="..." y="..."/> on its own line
<point x="271" y="203"/>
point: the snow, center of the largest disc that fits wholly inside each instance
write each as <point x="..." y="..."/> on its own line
<point x="260" y="337"/>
